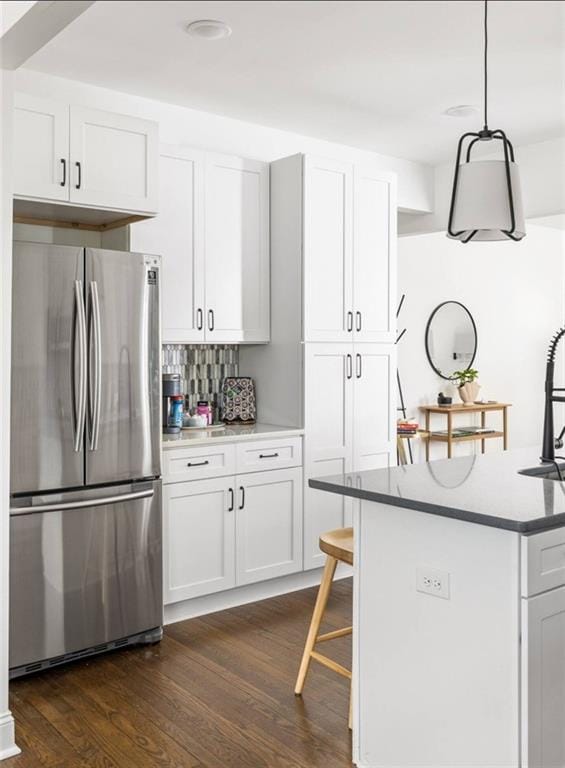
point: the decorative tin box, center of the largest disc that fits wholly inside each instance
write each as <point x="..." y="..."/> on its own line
<point x="238" y="399"/>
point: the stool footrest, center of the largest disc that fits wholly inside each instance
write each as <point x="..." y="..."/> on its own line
<point x="336" y="633"/>
<point x="331" y="664"/>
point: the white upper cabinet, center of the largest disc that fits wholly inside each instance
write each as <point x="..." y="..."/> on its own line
<point x="84" y="156"/>
<point x="328" y="249"/>
<point x="237" y="249"/>
<point x="41" y="147"/>
<point x="212" y="231"/>
<point x="374" y="257"/>
<point x="176" y="233"/>
<point x="334" y="246"/>
<point x="113" y="159"/>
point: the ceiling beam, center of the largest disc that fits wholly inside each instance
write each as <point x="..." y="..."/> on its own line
<point x="36" y="27"/>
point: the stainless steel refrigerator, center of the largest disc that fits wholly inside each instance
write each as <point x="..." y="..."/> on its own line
<point x="85" y="517"/>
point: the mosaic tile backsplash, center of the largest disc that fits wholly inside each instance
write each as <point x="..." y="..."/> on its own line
<point x="202" y="368"/>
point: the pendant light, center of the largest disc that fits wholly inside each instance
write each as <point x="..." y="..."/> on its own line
<point x="486" y="201"/>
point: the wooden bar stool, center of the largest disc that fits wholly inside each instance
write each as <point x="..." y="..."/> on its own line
<point x="338" y="546"/>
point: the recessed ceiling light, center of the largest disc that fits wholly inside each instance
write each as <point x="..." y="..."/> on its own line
<point x="209" y="29"/>
<point x="461" y="110"/>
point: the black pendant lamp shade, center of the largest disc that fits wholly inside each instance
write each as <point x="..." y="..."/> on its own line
<point x="486" y="201"/>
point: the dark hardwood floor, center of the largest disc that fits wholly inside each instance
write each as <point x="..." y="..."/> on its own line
<point x="217" y="692"/>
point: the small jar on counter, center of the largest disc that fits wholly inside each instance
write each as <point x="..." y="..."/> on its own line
<point x="203" y="408"/>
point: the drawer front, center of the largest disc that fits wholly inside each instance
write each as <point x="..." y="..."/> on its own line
<point x="269" y="454"/>
<point x="198" y="463"/>
<point x="543" y="562"/>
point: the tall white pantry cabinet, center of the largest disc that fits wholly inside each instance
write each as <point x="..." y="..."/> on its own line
<point x="331" y="364"/>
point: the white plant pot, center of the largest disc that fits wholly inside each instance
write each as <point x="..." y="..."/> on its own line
<point x="469" y="392"/>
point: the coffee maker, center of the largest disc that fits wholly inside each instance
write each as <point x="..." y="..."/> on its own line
<point x="171" y="388"/>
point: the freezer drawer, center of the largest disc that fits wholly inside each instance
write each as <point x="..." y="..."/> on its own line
<point x="84" y="572"/>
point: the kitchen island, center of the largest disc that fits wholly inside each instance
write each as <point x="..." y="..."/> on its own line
<point x="459" y="614"/>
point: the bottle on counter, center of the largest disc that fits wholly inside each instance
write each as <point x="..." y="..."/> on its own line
<point x="177" y="408"/>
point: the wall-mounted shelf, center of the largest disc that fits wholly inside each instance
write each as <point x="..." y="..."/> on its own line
<point x="49" y="214"/>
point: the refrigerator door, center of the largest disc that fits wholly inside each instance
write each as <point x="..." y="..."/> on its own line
<point x="48" y="368"/>
<point x="85" y="571"/>
<point x="123" y="422"/>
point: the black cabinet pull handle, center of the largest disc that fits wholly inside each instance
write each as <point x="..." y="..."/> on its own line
<point x="349" y="322"/>
<point x="210" y="319"/>
<point x="268" y="455"/>
<point x="199" y="319"/>
<point x="232" y="500"/>
<point x="349" y="371"/>
<point x="64" y="163"/>
<point x="197" y="463"/>
<point x="79" y="180"/>
<point x="358" y="367"/>
<point x="242" y="489"/>
<point x="358" y="318"/>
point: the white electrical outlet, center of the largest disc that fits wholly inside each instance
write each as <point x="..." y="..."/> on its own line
<point x="432" y="582"/>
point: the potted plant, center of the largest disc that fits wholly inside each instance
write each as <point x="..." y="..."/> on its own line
<point x="467" y="386"/>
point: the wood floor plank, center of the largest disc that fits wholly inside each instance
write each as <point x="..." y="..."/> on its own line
<point x="217" y="692"/>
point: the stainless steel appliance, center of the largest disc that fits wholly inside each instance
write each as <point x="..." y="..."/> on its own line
<point x="85" y="518"/>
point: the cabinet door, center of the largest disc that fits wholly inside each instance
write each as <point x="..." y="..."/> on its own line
<point x="237" y="250"/>
<point x="328" y="250"/>
<point x="114" y="160"/>
<point x="268" y="524"/>
<point x="328" y="439"/>
<point x="374" y="431"/>
<point x="176" y="233"/>
<point x="41" y="148"/>
<point x="199" y="538"/>
<point x="543" y="680"/>
<point x="374" y="260"/>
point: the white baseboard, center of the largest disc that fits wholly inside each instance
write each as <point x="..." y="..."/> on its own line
<point x="8" y="746"/>
<point x="200" y="606"/>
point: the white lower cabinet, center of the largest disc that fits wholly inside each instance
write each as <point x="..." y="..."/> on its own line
<point x="543" y="680"/>
<point x="350" y="427"/>
<point x="199" y="538"/>
<point x="222" y="532"/>
<point x="268" y="525"/>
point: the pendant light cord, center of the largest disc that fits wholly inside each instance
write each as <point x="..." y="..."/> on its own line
<point x="486" y="67"/>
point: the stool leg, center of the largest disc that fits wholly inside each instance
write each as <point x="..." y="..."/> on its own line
<point x="319" y="608"/>
<point x="350" y="721"/>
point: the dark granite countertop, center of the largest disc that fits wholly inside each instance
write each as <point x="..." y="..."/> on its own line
<point x="479" y="489"/>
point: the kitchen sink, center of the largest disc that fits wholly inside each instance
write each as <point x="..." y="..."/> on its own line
<point x="545" y="472"/>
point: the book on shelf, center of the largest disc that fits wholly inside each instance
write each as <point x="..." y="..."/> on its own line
<point x="465" y="431"/>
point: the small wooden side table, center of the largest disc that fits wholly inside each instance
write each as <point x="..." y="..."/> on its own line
<point x="450" y="438"/>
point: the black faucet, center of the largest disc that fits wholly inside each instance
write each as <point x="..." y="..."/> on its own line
<point x="549" y="441"/>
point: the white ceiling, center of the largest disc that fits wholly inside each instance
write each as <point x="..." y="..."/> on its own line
<point x="376" y="75"/>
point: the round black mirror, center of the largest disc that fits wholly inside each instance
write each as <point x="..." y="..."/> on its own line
<point x="451" y="339"/>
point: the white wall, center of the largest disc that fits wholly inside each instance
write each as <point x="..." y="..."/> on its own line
<point x="179" y="125"/>
<point x="7" y="744"/>
<point x="515" y="292"/>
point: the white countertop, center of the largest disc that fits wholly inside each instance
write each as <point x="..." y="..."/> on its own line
<point x="231" y="434"/>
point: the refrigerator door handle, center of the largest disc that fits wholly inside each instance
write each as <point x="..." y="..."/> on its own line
<point x="80" y="410"/>
<point x="95" y="343"/>
<point x="98" y="502"/>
